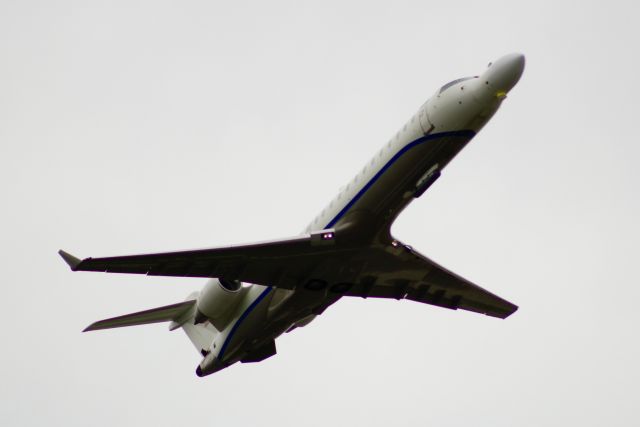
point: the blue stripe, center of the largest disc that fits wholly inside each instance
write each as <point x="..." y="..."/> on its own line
<point x="462" y="133"/>
<point x="244" y="316"/>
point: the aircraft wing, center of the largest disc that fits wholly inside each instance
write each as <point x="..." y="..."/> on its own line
<point x="277" y="263"/>
<point x="403" y="273"/>
<point x="316" y="262"/>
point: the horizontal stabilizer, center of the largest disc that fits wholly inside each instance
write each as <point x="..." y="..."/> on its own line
<point x="155" y="315"/>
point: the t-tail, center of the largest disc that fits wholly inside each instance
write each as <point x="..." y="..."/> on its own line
<point x="184" y="315"/>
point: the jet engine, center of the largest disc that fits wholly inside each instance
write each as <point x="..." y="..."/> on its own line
<point x="217" y="302"/>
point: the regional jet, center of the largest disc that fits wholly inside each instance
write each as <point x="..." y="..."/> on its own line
<point x="256" y="292"/>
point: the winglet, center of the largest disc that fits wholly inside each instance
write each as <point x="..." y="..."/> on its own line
<point x="70" y="259"/>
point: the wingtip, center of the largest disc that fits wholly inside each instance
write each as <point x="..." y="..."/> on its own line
<point x="512" y="310"/>
<point x="72" y="261"/>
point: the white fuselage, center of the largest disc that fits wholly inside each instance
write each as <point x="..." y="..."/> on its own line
<point x="378" y="193"/>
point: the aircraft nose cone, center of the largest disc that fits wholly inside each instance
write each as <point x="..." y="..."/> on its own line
<point x="503" y="74"/>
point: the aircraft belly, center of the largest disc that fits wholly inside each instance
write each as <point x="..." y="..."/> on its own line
<point x="393" y="187"/>
<point x="242" y="331"/>
<point x="263" y="322"/>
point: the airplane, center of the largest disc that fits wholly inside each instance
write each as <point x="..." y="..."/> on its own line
<point x="256" y="292"/>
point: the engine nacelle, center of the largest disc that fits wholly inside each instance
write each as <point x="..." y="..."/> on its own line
<point x="217" y="302"/>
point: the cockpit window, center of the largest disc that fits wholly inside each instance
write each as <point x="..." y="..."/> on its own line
<point x="456" y="81"/>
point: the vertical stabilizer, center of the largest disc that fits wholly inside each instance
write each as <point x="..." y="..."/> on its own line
<point x="201" y="335"/>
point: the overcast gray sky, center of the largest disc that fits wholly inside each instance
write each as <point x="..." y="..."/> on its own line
<point x="142" y="126"/>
